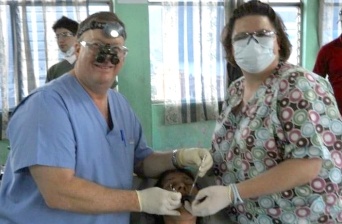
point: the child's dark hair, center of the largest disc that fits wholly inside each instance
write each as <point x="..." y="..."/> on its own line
<point x="166" y="173"/>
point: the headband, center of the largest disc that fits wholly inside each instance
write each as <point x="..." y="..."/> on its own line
<point x="111" y="29"/>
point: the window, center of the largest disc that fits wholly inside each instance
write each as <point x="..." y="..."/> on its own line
<point x="289" y="11"/>
<point x="30" y="44"/>
<point x="187" y="59"/>
<point x="329" y="19"/>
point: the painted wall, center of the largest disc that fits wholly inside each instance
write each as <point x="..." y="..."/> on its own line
<point x="310" y="44"/>
<point x="134" y="83"/>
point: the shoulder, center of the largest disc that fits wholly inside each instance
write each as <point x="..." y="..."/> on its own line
<point x="52" y="68"/>
<point x="295" y="77"/>
<point x="327" y="48"/>
<point x="60" y="64"/>
<point x="37" y="99"/>
<point x="63" y="87"/>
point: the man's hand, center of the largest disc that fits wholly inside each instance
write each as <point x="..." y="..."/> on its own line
<point x="194" y="157"/>
<point x="210" y="200"/>
<point x="159" y="201"/>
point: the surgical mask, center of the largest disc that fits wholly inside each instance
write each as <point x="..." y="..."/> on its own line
<point x="253" y="52"/>
<point x="69" y="52"/>
<point x="70" y="55"/>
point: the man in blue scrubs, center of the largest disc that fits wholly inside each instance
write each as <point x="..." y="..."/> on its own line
<point x="75" y="144"/>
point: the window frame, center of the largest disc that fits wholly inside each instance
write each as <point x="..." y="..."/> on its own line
<point x="13" y="42"/>
<point x="297" y="51"/>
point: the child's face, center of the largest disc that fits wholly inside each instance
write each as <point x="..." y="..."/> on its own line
<point x="180" y="182"/>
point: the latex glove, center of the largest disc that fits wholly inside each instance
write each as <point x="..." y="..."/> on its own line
<point x="210" y="200"/>
<point x="193" y="157"/>
<point x="159" y="201"/>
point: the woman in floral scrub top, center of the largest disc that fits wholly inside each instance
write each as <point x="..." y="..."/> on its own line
<point x="278" y="139"/>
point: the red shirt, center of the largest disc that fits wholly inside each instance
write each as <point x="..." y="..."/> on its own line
<point x="329" y="63"/>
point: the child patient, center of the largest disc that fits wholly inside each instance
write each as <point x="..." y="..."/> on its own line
<point x="177" y="180"/>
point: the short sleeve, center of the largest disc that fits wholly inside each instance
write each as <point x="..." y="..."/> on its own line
<point x="309" y="116"/>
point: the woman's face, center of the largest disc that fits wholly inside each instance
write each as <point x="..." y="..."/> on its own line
<point x="257" y="23"/>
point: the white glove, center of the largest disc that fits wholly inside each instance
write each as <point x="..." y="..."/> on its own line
<point x="210" y="200"/>
<point x="159" y="201"/>
<point x="193" y="157"/>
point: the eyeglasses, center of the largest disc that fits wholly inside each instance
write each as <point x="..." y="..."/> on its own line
<point x="121" y="51"/>
<point x="253" y="35"/>
<point x="64" y="35"/>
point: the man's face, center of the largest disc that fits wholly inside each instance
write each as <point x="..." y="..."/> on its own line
<point x="65" y="39"/>
<point x="90" y="72"/>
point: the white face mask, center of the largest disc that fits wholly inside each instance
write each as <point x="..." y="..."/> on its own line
<point x="70" y="55"/>
<point x="254" y="54"/>
<point x="70" y="52"/>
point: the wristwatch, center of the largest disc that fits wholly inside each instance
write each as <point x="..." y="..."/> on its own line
<point x="174" y="159"/>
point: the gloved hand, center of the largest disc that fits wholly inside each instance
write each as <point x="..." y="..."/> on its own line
<point x="159" y="201"/>
<point x="210" y="200"/>
<point x="193" y="157"/>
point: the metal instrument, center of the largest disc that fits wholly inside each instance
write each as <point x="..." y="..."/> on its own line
<point x="196" y="177"/>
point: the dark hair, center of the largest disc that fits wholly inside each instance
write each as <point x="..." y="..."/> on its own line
<point x="159" y="218"/>
<point x="262" y="9"/>
<point x="66" y="23"/>
<point x="166" y="173"/>
<point x="102" y="17"/>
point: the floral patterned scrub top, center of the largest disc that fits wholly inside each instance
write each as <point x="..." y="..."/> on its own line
<point x="293" y="114"/>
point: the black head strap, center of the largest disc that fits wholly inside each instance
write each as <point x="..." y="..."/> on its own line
<point x="112" y="29"/>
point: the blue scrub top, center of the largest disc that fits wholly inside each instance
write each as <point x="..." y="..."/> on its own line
<point x="59" y="125"/>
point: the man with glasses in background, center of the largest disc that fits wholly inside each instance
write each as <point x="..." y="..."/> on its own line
<point x="65" y="30"/>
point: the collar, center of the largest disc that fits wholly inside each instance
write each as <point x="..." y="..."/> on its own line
<point x="71" y="59"/>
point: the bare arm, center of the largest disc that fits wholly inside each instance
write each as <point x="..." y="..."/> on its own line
<point x="155" y="164"/>
<point x="286" y="175"/>
<point x="62" y="190"/>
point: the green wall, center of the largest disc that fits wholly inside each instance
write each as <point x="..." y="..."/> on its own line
<point x="134" y="78"/>
<point x="134" y="83"/>
<point x="310" y="43"/>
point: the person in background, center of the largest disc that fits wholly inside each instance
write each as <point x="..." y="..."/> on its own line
<point x="76" y="144"/>
<point x="277" y="145"/>
<point x="65" y="30"/>
<point x="329" y="64"/>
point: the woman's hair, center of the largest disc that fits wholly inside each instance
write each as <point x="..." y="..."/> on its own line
<point x="262" y="9"/>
